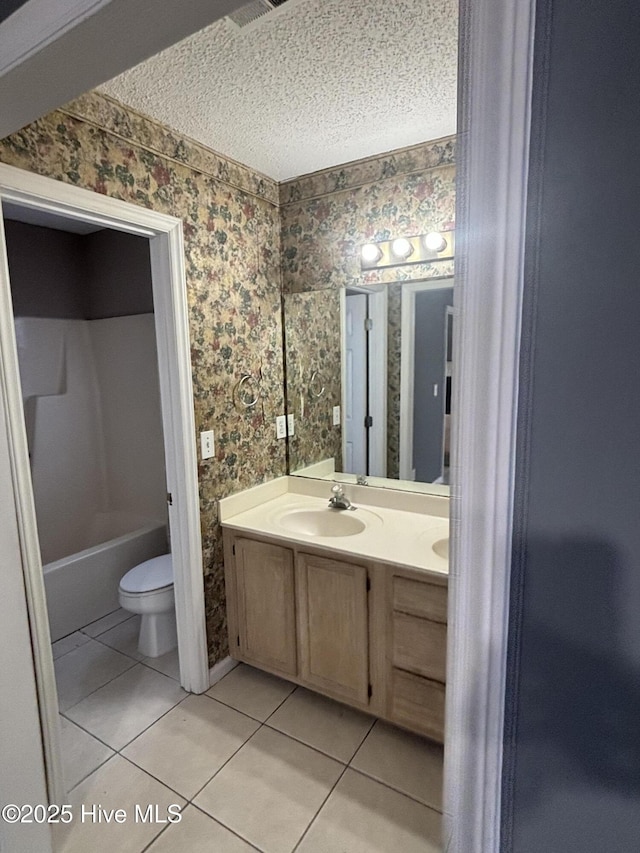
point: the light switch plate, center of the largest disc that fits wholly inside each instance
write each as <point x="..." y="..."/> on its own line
<point x="281" y="426"/>
<point x="336" y="415"/>
<point x="207" y="445"/>
<point x="291" y="425"/>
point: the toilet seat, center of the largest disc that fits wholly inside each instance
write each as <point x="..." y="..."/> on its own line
<point x="151" y="576"/>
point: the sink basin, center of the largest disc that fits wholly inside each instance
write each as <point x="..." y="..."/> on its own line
<point x="441" y="548"/>
<point x="322" y="522"/>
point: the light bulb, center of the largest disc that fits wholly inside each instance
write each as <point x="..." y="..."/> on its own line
<point x="402" y="248"/>
<point x="435" y="242"/>
<point x="371" y="253"/>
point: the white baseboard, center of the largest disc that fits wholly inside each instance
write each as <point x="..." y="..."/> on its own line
<point x="220" y="669"/>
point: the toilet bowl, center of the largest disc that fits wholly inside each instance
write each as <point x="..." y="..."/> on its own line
<point x="147" y="589"/>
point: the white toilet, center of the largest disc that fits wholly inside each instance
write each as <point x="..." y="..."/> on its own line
<point x="147" y="589"/>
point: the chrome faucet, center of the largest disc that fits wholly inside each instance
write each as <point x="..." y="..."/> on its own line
<point x="339" y="500"/>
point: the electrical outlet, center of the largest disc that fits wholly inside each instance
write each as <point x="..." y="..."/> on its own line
<point x="281" y="426"/>
<point x="291" y="425"/>
<point x="336" y="415"/>
<point x="207" y="446"/>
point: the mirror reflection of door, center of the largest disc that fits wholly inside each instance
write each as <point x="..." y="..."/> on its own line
<point x="425" y="398"/>
<point x="430" y="384"/>
<point x="355" y="395"/>
<point x="365" y="381"/>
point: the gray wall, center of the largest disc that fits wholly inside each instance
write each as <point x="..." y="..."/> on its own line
<point x="45" y="271"/>
<point x="72" y="276"/>
<point x="119" y="269"/>
<point x="572" y="742"/>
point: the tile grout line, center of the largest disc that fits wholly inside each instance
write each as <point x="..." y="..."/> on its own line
<point x="143" y="661"/>
<point x="88" y="639"/>
<point x="392" y="788"/>
<point x="395" y="790"/>
<point x="242" y="745"/>
<point x="226" y="704"/>
<point x="104" y="743"/>
<point x="322" y="805"/>
<point x="308" y="745"/>
<point x="134" y="662"/>
<point x="233" y="831"/>
<point x="93" y="636"/>
<point x="102" y="763"/>
<point x="64" y="712"/>
<point x="119" y="751"/>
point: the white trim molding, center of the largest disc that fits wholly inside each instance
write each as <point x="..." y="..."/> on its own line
<point x="25" y="189"/>
<point x="496" y="60"/>
<point x="220" y="669"/>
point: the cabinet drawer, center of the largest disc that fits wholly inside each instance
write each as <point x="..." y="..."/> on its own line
<point x="420" y="599"/>
<point x="420" y="646"/>
<point x="418" y="704"/>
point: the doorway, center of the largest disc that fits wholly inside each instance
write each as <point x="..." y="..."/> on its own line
<point x="425" y="380"/>
<point x="44" y="198"/>
<point x="363" y="325"/>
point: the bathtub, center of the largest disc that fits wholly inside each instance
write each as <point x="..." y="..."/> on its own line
<point x="84" y="586"/>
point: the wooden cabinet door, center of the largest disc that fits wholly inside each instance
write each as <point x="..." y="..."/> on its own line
<point x="333" y="625"/>
<point x="266" y="616"/>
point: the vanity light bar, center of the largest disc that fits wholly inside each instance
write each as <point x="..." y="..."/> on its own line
<point x="421" y="249"/>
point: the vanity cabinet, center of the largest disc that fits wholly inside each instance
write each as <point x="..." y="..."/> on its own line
<point x="366" y="633"/>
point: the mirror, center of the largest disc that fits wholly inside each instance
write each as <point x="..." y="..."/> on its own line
<point x="367" y="336"/>
<point x="383" y="354"/>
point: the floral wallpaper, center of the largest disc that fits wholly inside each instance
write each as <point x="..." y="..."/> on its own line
<point x="326" y="217"/>
<point x="232" y="249"/>
<point x="313" y="359"/>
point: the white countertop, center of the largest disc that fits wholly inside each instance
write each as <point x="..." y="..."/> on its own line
<point x="401" y="536"/>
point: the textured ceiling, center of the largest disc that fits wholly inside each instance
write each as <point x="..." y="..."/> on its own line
<point x="312" y="85"/>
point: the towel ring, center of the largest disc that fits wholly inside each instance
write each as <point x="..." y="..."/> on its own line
<point x="314" y="383"/>
<point x="239" y="398"/>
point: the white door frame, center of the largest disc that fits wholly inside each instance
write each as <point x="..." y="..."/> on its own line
<point x="495" y="73"/>
<point x="377" y="373"/>
<point x="22" y="779"/>
<point x="176" y="391"/>
<point x="407" y="366"/>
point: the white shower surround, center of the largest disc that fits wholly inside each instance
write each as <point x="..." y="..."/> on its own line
<point x="92" y="410"/>
<point x="92" y="405"/>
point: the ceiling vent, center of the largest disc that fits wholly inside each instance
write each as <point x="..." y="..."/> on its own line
<point x="252" y="11"/>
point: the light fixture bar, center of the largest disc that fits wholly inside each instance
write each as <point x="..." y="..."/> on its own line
<point x="420" y="249"/>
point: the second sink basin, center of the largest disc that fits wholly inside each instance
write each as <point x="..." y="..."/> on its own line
<point x="322" y="522"/>
<point x="441" y="548"/>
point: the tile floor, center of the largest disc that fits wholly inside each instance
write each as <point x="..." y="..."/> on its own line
<point x="254" y="764"/>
